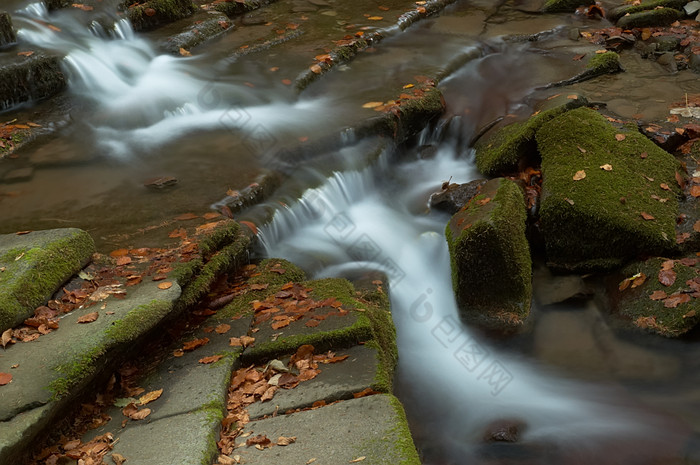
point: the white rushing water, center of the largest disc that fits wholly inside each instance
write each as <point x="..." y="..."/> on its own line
<point x="458" y="381"/>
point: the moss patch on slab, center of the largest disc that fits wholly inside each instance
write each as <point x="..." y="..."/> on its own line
<point x="657" y="316"/>
<point x="490" y="257"/>
<point x="502" y="152"/>
<point x="652" y="18"/>
<point x="33" y="273"/>
<point x="139" y="320"/>
<point x="617" y="13"/>
<point x="277" y="271"/>
<point x="154" y="13"/>
<point x="397" y="446"/>
<point x="612" y="215"/>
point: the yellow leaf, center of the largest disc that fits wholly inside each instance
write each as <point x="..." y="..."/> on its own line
<point x="606" y="167"/>
<point x="185" y="53"/>
<point x="375" y="18"/>
<point x="150" y="397"/>
<point x="579" y="175"/>
<point x="372" y="104"/>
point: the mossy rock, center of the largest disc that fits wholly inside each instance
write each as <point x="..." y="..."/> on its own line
<point x="611" y="215"/>
<point x="557" y="6"/>
<point x="652" y="18"/>
<point x="503" y="150"/>
<point x="154" y="13"/>
<point x="669" y="318"/>
<point x="31" y="78"/>
<point x="7" y="32"/>
<point x="490" y="257"/>
<point x="617" y="13"/>
<point x="604" y="63"/>
<point x="34" y="266"/>
<point x="236" y="8"/>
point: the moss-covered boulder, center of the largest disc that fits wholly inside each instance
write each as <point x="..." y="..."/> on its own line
<point x="490" y="257"/>
<point x="33" y="266"/>
<point x="659" y="295"/>
<point x="7" y="32"/>
<point x="30" y="78"/>
<point x="154" y="13"/>
<point x="504" y="149"/>
<point x="608" y="194"/>
<point x="617" y="13"/>
<point x="650" y="18"/>
<point x="556" y="6"/>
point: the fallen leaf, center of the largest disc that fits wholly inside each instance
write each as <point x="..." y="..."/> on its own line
<point x="210" y="359"/>
<point x="658" y="295"/>
<point x="364" y="393"/>
<point x="287" y="82"/>
<point x="285" y="441"/>
<point x="222" y="328"/>
<point x="606" y="167"/>
<point x="312" y="323"/>
<point x="185" y="53"/>
<point x="6" y="337"/>
<point x="358" y="459"/>
<point x="88" y="318"/>
<point x="695" y="191"/>
<point x="579" y="175"/>
<point x="675" y="300"/>
<point x="647" y="216"/>
<point x="178" y="353"/>
<point x="639" y="280"/>
<point x="243" y="341"/>
<point x="680" y="180"/>
<point x="664" y="186"/>
<point x="375" y="18"/>
<point x="118" y="459"/>
<point x="372" y="104"/>
<point x="620" y="137"/>
<point x="140" y="414"/>
<point x="316" y="69"/>
<point x="165" y="285"/>
<point x="690" y="314"/>
<point x="260" y="439"/>
<point x="5" y="378"/>
<point x="696" y="226"/>
<point x="150" y="397"/>
<point x="667" y="277"/>
<point x="250" y="226"/>
<point x="192" y="345"/>
<point x="185" y="217"/>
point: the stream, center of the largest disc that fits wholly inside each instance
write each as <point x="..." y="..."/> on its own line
<point x="581" y="391"/>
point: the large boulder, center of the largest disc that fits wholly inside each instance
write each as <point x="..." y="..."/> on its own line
<point x="7" y="32"/>
<point x="608" y="194"/>
<point x="629" y="9"/>
<point x="658" y="17"/>
<point x="490" y="257"/>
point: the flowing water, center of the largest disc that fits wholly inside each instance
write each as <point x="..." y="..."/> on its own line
<point x="138" y="113"/>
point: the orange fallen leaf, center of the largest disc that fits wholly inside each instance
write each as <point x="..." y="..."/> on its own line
<point x="222" y="328"/>
<point x="620" y="137"/>
<point x="5" y="378"/>
<point x="165" y="285"/>
<point x="695" y="191"/>
<point x="664" y="186"/>
<point x="285" y="441"/>
<point x="312" y="323"/>
<point x="25" y="54"/>
<point x="185" y="53"/>
<point x="243" y="341"/>
<point x="118" y="253"/>
<point x="606" y="167"/>
<point x="375" y="18"/>
<point x="124" y="260"/>
<point x="250" y="226"/>
<point x="191" y="345"/>
<point x="178" y="353"/>
<point x="658" y="295"/>
<point x="696" y="226"/>
<point x="150" y="397"/>
<point x="316" y="69"/>
<point x="287" y="82"/>
<point x="185" y="217"/>
<point x="210" y="359"/>
<point x="372" y="104"/>
<point x="675" y="300"/>
<point x="647" y="216"/>
<point x="88" y="318"/>
<point x="581" y="174"/>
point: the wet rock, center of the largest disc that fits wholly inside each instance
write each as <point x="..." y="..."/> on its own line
<point x="30" y="78"/>
<point x="598" y="65"/>
<point x="7" y="32"/>
<point x="694" y="62"/>
<point x="506" y="430"/>
<point x="550" y="289"/>
<point x="616" y="13"/>
<point x="502" y="151"/>
<point x="608" y="194"/>
<point x="667" y="43"/>
<point x="210" y="26"/>
<point x="232" y="9"/>
<point x="250" y="195"/>
<point x="666" y="301"/>
<point x="455" y="196"/>
<point x="490" y="257"/>
<point x="663" y="134"/>
<point x="19" y="175"/>
<point x="555" y="6"/>
<point x="153" y="13"/>
<point x="653" y="18"/>
<point x="160" y="182"/>
<point x="668" y="62"/>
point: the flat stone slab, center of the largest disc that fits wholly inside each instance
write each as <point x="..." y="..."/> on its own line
<point x="34" y="265"/>
<point x="372" y="427"/>
<point x="337" y="381"/>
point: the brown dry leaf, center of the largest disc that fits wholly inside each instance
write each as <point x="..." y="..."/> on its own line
<point x="696" y="226"/>
<point x="281" y="324"/>
<point x="606" y="167"/>
<point x="358" y="459"/>
<point x="316" y="69"/>
<point x="178" y="353"/>
<point x="185" y="53"/>
<point x="88" y="318"/>
<point x="25" y="54"/>
<point x="287" y="82"/>
<point x="243" y="341"/>
<point x="140" y="414"/>
<point x="312" y="323"/>
<point x="210" y="359"/>
<point x="375" y="18"/>
<point x="664" y="186"/>
<point x="5" y="378"/>
<point x="667" y="277"/>
<point x="6" y="337"/>
<point x="250" y="226"/>
<point x="125" y="260"/>
<point x="658" y="295"/>
<point x="372" y="104"/>
<point x="639" y="280"/>
<point x="259" y="287"/>
<point x="695" y="191"/>
<point x="581" y="174"/>
<point x="667" y="264"/>
<point x="620" y="137"/>
<point x="285" y="441"/>
<point x="675" y="300"/>
<point x="191" y="345"/>
<point x="150" y="397"/>
<point x="186" y="216"/>
<point x="223" y="328"/>
<point x="680" y="180"/>
<point x="118" y="459"/>
<point x="260" y="439"/>
<point x="647" y="216"/>
<point x="690" y="314"/>
<point x="165" y="285"/>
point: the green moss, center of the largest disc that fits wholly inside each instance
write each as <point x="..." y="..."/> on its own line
<point x="221" y="237"/>
<point x="490" y="256"/>
<point x="597" y="222"/>
<point x="604" y="63"/>
<point x="138" y="321"/>
<point x="286" y="272"/>
<point x="555" y="6"/>
<point x="617" y="13"/>
<point x="185" y="272"/>
<point x="651" y="18"/>
<point x="30" y="281"/>
<point x="396" y="447"/>
<point x="651" y="315"/>
<point x="232" y="9"/>
<point x="72" y="373"/>
<point x="506" y="147"/>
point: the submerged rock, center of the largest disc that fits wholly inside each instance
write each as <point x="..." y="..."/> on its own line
<point x="504" y="149"/>
<point x="455" y="196"/>
<point x="490" y="257"/>
<point x="7" y="32"/>
<point x="608" y="194"/>
<point x="506" y="430"/>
